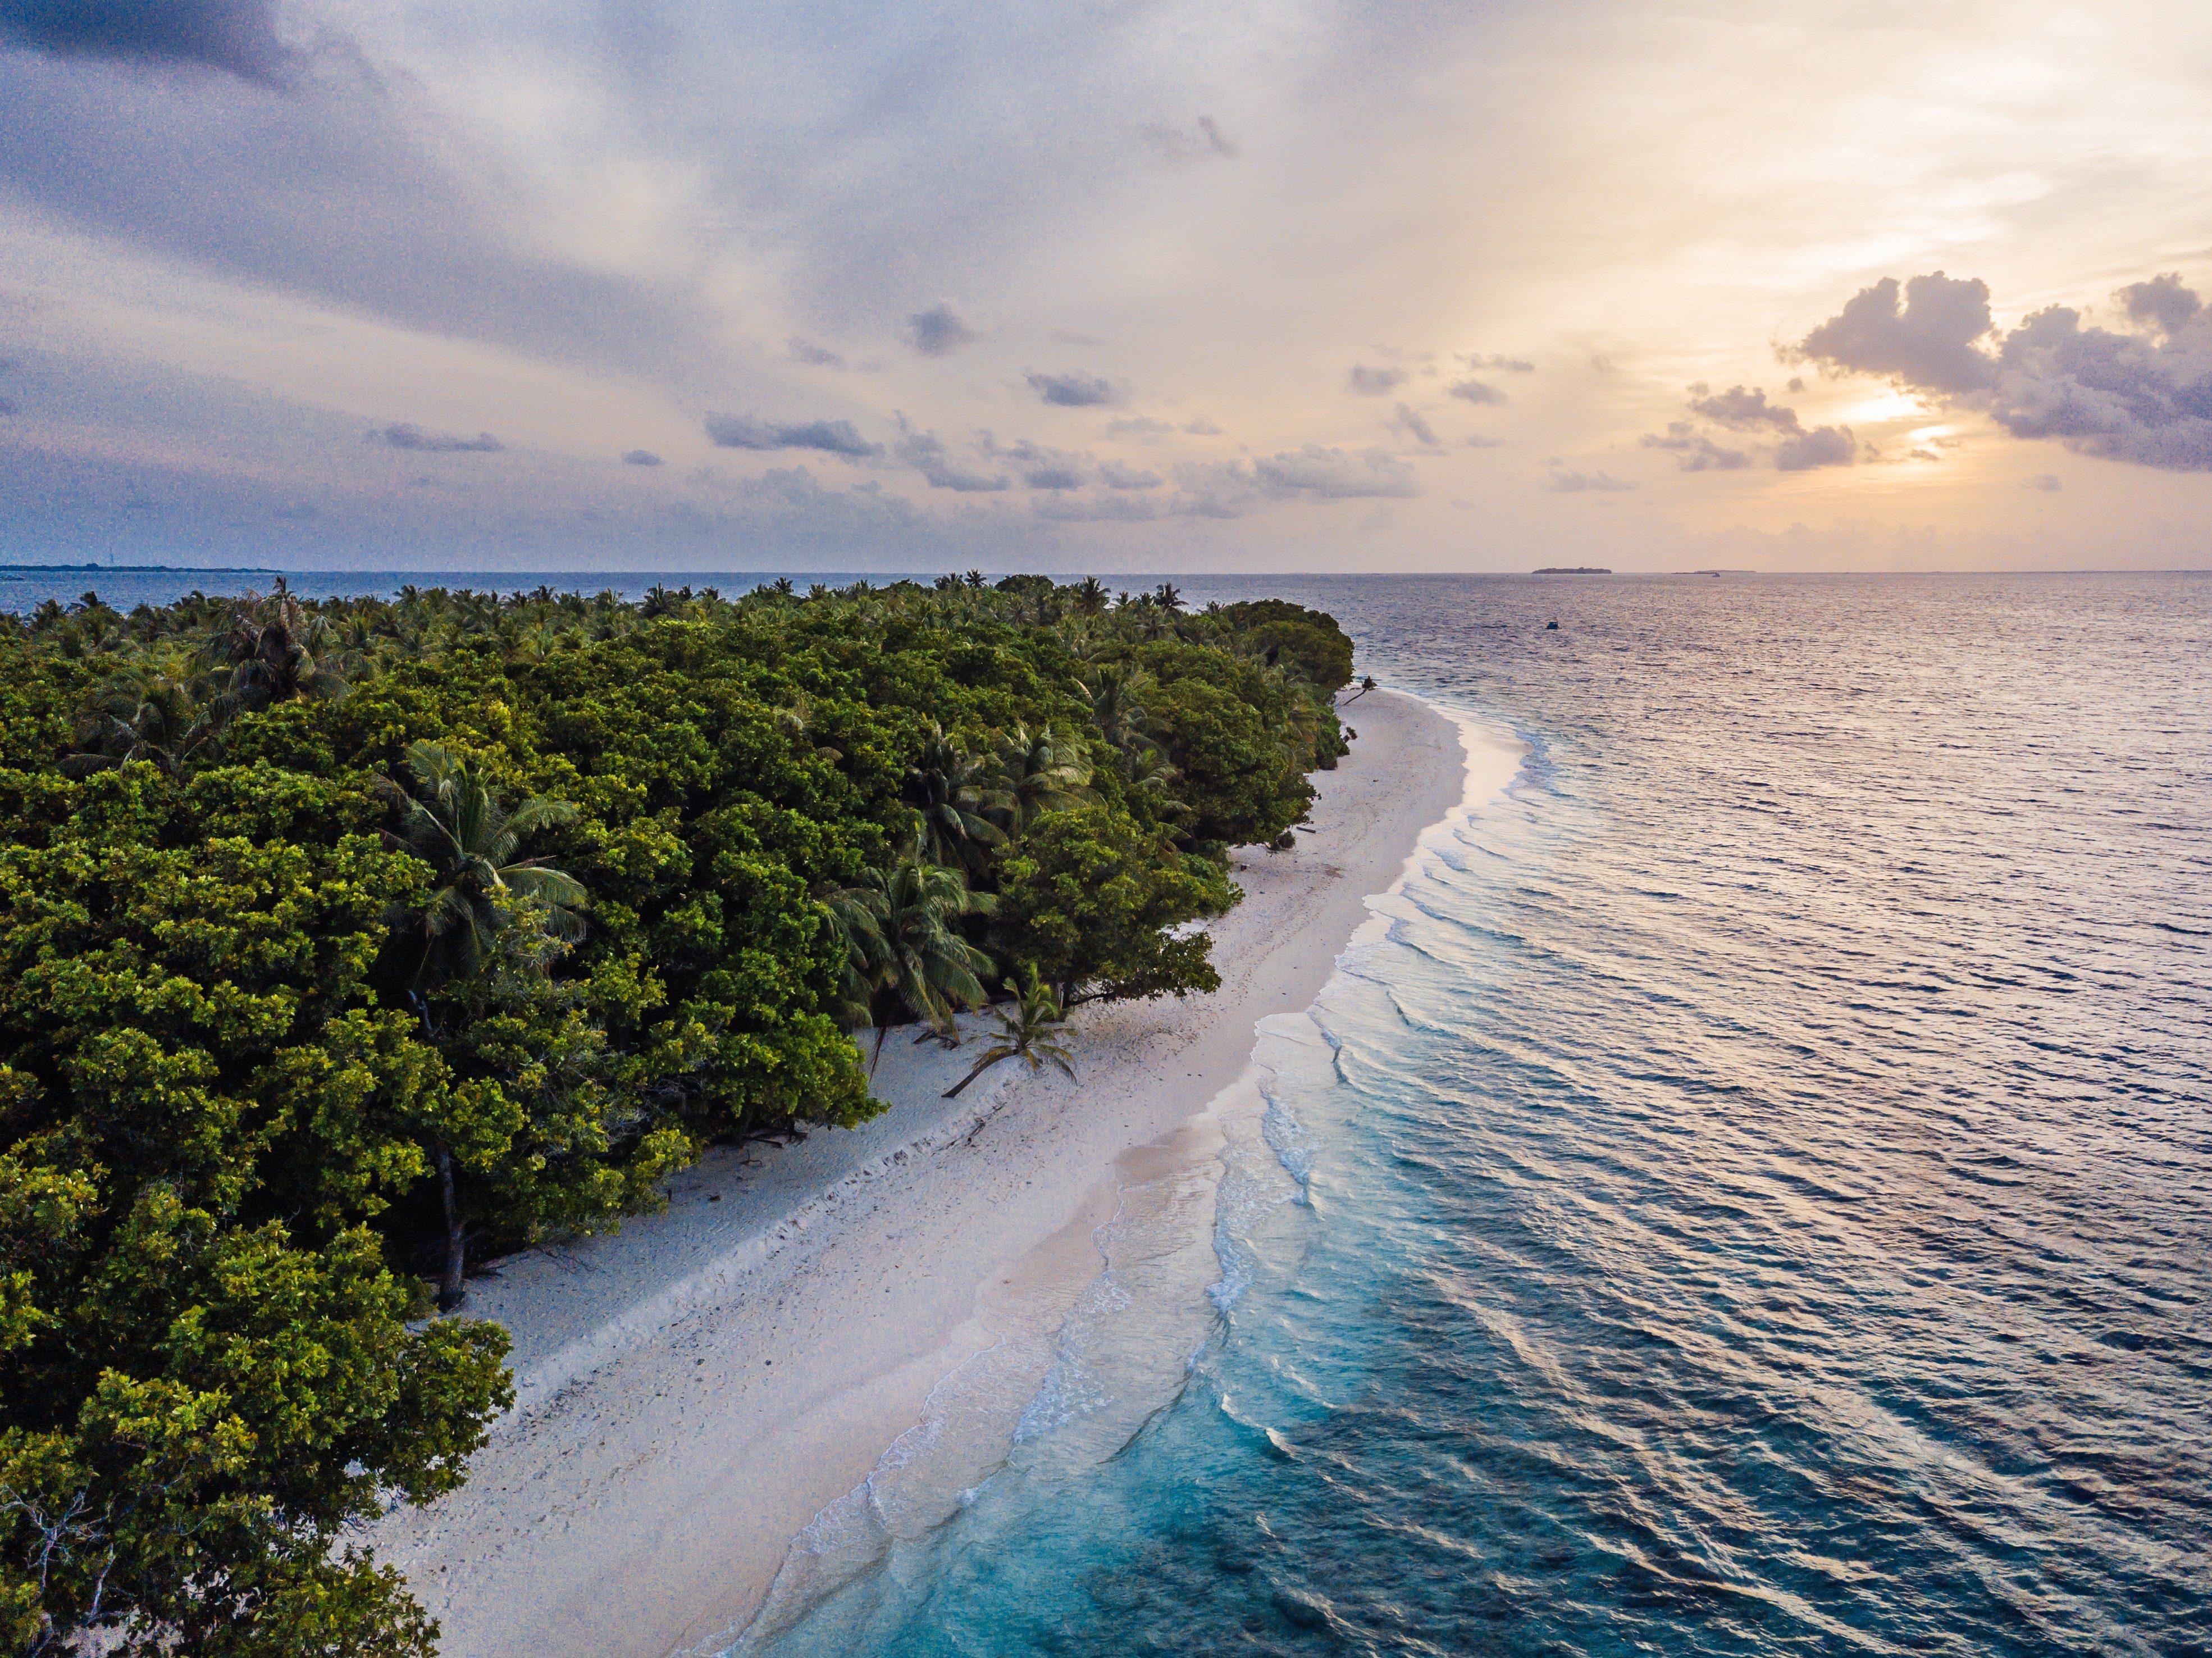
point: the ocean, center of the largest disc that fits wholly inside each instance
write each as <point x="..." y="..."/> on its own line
<point x="1749" y="1192"/>
<point x="1754" y="1196"/>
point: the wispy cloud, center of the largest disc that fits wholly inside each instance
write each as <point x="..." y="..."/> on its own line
<point x="1475" y="392"/>
<point x="832" y="437"/>
<point x="1408" y="421"/>
<point x="405" y="434"/>
<point x="925" y="452"/>
<point x="939" y="331"/>
<point x="1202" y="138"/>
<point x="1562" y="481"/>
<point x="1694" y="452"/>
<point x="1367" y="380"/>
<point x="1073" y="390"/>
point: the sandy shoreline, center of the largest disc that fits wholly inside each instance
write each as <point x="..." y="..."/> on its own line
<point x="694" y="1391"/>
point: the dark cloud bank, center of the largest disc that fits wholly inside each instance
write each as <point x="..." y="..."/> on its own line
<point x="2143" y="397"/>
<point x="237" y="36"/>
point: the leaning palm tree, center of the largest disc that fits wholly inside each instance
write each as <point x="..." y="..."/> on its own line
<point x="903" y="950"/>
<point x="456" y="824"/>
<point x="1028" y="1030"/>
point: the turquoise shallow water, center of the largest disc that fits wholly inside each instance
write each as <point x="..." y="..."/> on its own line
<point x="1757" y="1198"/>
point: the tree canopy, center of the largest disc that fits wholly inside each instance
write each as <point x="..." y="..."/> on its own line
<point x="345" y="945"/>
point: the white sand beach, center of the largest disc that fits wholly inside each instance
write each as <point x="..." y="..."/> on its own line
<point x="696" y="1390"/>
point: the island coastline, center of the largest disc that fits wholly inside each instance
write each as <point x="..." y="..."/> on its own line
<point x="694" y="1391"/>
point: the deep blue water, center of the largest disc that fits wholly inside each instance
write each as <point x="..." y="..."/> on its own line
<point x="1760" y="1193"/>
<point x="1757" y="1199"/>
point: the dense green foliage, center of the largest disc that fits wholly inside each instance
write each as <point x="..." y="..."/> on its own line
<point x="343" y="945"/>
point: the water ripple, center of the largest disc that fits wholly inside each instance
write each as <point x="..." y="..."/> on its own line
<point x="1760" y="1185"/>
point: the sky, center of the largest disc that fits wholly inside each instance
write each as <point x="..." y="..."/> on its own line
<point x="1140" y="286"/>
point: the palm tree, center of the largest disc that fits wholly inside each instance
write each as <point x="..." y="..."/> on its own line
<point x="1035" y="779"/>
<point x="1168" y="597"/>
<point x="457" y="826"/>
<point x="1143" y="767"/>
<point x="1091" y="595"/>
<point x="947" y="785"/>
<point x="1029" y="1031"/>
<point x="902" y="950"/>
<point x="151" y="717"/>
<point x="266" y="654"/>
<point x="1115" y="692"/>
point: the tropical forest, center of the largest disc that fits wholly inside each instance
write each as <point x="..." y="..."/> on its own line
<point x="347" y="945"/>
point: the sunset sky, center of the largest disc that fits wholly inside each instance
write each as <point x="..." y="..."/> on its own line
<point x="1133" y="287"/>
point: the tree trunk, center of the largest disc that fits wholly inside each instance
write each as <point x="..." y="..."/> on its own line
<point x="450" y="1289"/>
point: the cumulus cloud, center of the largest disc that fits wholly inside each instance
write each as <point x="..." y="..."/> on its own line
<point x="405" y="434"/>
<point x="1115" y="475"/>
<point x="1475" y="392"/>
<point x="2144" y="397"/>
<point x="1694" y="452"/>
<point x="1511" y="365"/>
<point x="1746" y="409"/>
<point x="640" y="458"/>
<point x="939" y="331"/>
<point x="1824" y="445"/>
<point x="815" y="357"/>
<point x="1371" y="382"/>
<point x="1926" y="340"/>
<point x="2162" y="303"/>
<point x="925" y="452"/>
<point x="2046" y="481"/>
<point x="1071" y="391"/>
<point x="1409" y="422"/>
<point x="1563" y="483"/>
<point x="1742" y="408"/>
<point x="1479" y="442"/>
<point x="1200" y="427"/>
<point x="236" y="36"/>
<point x="832" y="437"/>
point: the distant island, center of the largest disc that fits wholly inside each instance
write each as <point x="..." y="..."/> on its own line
<point x="138" y="569"/>
<point x="1716" y="573"/>
<point x="1573" y="569"/>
